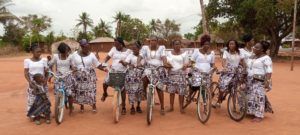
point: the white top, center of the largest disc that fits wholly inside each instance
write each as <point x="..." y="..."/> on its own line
<point x="62" y="66"/>
<point x="36" y="66"/>
<point x="132" y="59"/>
<point x="89" y="61"/>
<point x="153" y="57"/>
<point x="261" y="66"/>
<point x="116" y="57"/>
<point x="246" y="54"/>
<point x="203" y="61"/>
<point x="233" y="59"/>
<point x="177" y="61"/>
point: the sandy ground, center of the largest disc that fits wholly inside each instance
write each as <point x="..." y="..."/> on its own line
<point x="284" y="97"/>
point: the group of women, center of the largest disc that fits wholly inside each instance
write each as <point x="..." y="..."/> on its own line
<point x="170" y="76"/>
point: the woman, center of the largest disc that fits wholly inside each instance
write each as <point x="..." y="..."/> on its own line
<point x="133" y="83"/>
<point x="118" y="54"/>
<point x="32" y="66"/>
<point x="249" y="43"/>
<point x="178" y="60"/>
<point x="154" y="56"/>
<point x="63" y="64"/>
<point x="203" y="61"/>
<point x="231" y="61"/>
<point x="85" y="85"/>
<point x="259" y="81"/>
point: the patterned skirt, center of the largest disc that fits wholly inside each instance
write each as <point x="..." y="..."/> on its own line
<point x="159" y="76"/>
<point x="197" y="77"/>
<point x="85" y="87"/>
<point x="30" y="96"/>
<point x="69" y="83"/>
<point x="258" y="102"/>
<point x="177" y="82"/>
<point x="134" y="85"/>
<point x="229" y="77"/>
<point x="40" y="107"/>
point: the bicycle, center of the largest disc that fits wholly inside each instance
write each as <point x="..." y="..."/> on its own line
<point x="60" y="98"/>
<point x="203" y="98"/>
<point x="236" y="102"/>
<point x="150" y="94"/>
<point x="117" y="81"/>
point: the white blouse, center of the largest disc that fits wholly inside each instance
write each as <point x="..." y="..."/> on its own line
<point x="153" y="57"/>
<point x="177" y="61"/>
<point x="89" y="61"/>
<point x="36" y="66"/>
<point x="117" y="56"/>
<point x="203" y="61"/>
<point x="62" y="66"/>
<point x="233" y="59"/>
<point x="260" y="66"/>
<point x="246" y="54"/>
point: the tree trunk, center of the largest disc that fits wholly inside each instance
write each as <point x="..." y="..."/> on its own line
<point x="274" y="49"/>
<point x="204" y="21"/>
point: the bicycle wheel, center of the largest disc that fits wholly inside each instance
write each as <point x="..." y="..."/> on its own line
<point x="150" y="101"/>
<point x="59" y="110"/>
<point x="189" y="98"/>
<point x="116" y="106"/>
<point x="204" y="105"/>
<point x="237" y="105"/>
<point x="214" y="89"/>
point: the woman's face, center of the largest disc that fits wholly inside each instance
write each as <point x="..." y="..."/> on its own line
<point x="85" y="49"/>
<point x="37" y="52"/>
<point x="252" y="42"/>
<point x="206" y="46"/>
<point x="177" y="45"/>
<point x="118" y="45"/>
<point x="232" y="46"/>
<point x="257" y="49"/>
<point x="153" y="41"/>
<point x="135" y="50"/>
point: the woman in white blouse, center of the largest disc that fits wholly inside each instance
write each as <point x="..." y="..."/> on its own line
<point x="32" y="66"/>
<point x="232" y="62"/>
<point x="118" y="54"/>
<point x="249" y="43"/>
<point x="259" y="81"/>
<point x="203" y="60"/>
<point x="84" y="62"/>
<point x="154" y="56"/>
<point x="178" y="62"/>
<point x="63" y="64"/>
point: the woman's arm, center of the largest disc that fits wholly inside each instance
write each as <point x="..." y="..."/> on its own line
<point x="26" y="75"/>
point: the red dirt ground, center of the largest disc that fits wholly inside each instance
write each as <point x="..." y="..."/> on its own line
<point x="284" y="98"/>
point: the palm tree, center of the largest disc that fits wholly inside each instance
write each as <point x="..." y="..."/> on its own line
<point x="102" y="29"/>
<point x="154" y="26"/>
<point x="119" y="18"/>
<point x="85" y="21"/>
<point x="4" y="13"/>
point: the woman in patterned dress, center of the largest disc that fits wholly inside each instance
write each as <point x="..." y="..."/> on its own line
<point x="232" y="62"/>
<point x="178" y="62"/>
<point x="84" y="62"/>
<point x="133" y="81"/>
<point x="32" y="66"/>
<point x="259" y="81"/>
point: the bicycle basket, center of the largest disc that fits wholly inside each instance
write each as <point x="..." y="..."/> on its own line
<point x="116" y="79"/>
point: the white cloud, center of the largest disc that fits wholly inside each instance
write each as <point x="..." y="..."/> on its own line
<point x="65" y="12"/>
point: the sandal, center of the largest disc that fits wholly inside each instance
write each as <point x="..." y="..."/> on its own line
<point x="37" y="122"/>
<point x="162" y="112"/>
<point x="123" y="111"/>
<point x="48" y="121"/>
<point x="139" y="110"/>
<point x="256" y="119"/>
<point x="104" y="97"/>
<point x="132" y="111"/>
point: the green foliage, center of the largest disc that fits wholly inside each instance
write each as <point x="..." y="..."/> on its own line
<point x="189" y="36"/>
<point x="102" y="29"/>
<point x="13" y="34"/>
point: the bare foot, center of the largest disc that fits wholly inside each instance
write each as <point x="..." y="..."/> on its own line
<point x="171" y="110"/>
<point x="256" y="119"/>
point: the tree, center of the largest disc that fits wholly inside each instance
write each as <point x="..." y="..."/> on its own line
<point x="133" y="29"/>
<point x="102" y="29"/>
<point x="269" y="17"/>
<point x="49" y="39"/>
<point x="154" y="25"/>
<point x="13" y="33"/>
<point x="189" y="36"/>
<point x="167" y="28"/>
<point x="119" y="18"/>
<point x="85" y="21"/>
<point x="36" y="24"/>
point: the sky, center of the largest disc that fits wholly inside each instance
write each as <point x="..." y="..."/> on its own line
<point x="65" y="12"/>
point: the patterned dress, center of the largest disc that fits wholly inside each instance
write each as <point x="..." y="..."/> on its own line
<point x="258" y="102"/>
